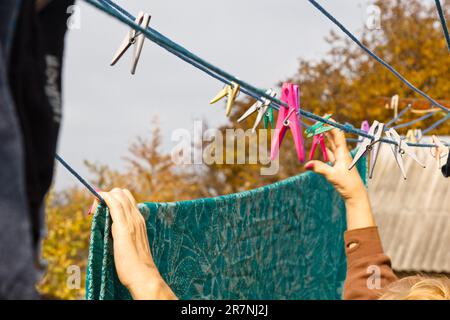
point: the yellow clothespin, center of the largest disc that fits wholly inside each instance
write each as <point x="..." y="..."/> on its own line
<point x="414" y="135"/>
<point x="231" y="91"/>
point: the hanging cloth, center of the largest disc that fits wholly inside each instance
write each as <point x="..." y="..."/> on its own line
<point x="281" y="241"/>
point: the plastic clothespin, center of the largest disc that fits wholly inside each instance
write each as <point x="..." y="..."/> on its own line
<point x="400" y="150"/>
<point x="318" y="127"/>
<point x="262" y="107"/>
<point x="365" y="126"/>
<point x="414" y="135"/>
<point x="440" y="153"/>
<point x="269" y="118"/>
<point x="371" y="146"/>
<point x="135" y="38"/>
<point x="288" y="118"/>
<point x="319" y="139"/>
<point x="230" y="90"/>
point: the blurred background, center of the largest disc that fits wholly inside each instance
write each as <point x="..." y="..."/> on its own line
<point x="117" y="127"/>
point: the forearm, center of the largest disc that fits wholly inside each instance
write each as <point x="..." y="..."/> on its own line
<point x="152" y="287"/>
<point x="359" y="212"/>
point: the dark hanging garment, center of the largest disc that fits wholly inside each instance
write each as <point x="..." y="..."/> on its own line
<point x="17" y="272"/>
<point x="446" y="169"/>
<point x="35" y="79"/>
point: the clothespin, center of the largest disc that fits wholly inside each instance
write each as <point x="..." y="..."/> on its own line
<point x="400" y="150"/>
<point x="365" y="126"/>
<point x="394" y="105"/>
<point x="135" y="38"/>
<point x="440" y="152"/>
<point x="288" y="118"/>
<point x="230" y="90"/>
<point x="414" y="135"/>
<point x="319" y="139"/>
<point x="371" y="146"/>
<point x="262" y="107"/>
<point x="318" y="127"/>
<point x="269" y="118"/>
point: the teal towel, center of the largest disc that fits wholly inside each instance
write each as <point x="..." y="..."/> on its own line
<point x="281" y="241"/>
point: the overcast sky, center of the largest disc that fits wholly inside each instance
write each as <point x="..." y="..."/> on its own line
<point x="259" y="41"/>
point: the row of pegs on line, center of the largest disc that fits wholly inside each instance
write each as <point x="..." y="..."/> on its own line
<point x="288" y="118"/>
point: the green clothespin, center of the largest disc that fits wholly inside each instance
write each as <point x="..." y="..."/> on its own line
<point x="318" y="128"/>
<point x="268" y="117"/>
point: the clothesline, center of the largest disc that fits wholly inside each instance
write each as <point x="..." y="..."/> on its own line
<point x="443" y="22"/>
<point x="122" y="15"/>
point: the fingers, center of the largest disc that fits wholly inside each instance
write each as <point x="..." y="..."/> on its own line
<point x="331" y="156"/>
<point x="330" y="141"/>
<point x="136" y="213"/>
<point x="338" y="144"/>
<point x="123" y="198"/>
<point x="116" y="209"/>
<point x="320" y="168"/>
<point x="129" y="196"/>
<point x="338" y="137"/>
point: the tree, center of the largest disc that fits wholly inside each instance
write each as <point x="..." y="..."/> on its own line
<point x="354" y="87"/>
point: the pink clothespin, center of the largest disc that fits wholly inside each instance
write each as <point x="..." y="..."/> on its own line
<point x="288" y="118"/>
<point x="319" y="139"/>
<point x="365" y="126"/>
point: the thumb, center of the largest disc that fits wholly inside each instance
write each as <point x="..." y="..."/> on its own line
<point x="319" y="167"/>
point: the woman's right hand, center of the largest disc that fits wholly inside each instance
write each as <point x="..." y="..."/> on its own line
<point x="347" y="182"/>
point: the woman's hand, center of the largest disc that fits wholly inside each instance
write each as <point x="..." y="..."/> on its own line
<point x="132" y="256"/>
<point x="347" y="182"/>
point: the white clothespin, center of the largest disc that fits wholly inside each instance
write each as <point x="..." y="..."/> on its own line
<point x="259" y="106"/>
<point x="400" y="150"/>
<point x="441" y="151"/>
<point x="394" y="105"/>
<point x="372" y="146"/>
<point x="135" y="38"/>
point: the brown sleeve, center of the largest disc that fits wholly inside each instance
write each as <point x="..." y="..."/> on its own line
<point x="368" y="268"/>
